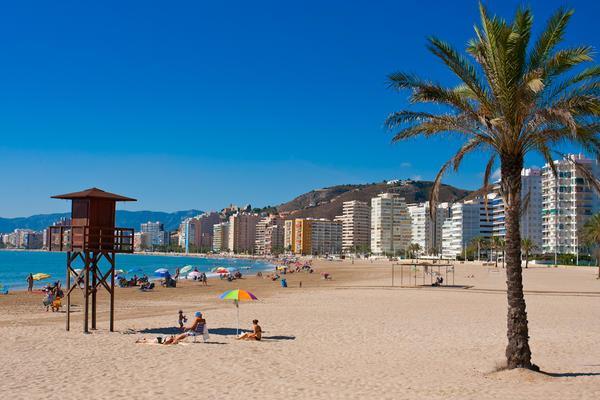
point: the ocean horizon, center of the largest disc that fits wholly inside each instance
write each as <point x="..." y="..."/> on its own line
<point x="15" y="266"/>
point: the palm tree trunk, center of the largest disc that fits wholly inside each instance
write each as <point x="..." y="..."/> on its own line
<point x="518" y="354"/>
<point x="526" y="259"/>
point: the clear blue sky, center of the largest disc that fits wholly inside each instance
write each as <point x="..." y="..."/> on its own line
<point x="193" y="104"/>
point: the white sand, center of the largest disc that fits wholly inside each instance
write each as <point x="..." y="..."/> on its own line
<point x="345" y="339"/>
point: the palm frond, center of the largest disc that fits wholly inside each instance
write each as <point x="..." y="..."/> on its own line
<point x="550" y="38"/>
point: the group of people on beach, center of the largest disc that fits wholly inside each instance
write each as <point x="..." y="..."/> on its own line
<point x="198" y="328"/>
<point x="53" y="295"/>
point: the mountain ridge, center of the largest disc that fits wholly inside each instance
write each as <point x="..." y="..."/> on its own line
<point x="125" y="218"/>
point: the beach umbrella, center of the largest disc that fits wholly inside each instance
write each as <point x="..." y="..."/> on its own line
<point x="40" y="276"/>
<point x="185" y="269"/>
<point x="119" y="272"/>
<point x="220" y="270"/>
<point x="194" y="274"/>
<point x="78" y="271"/>
<point x="238" y="295"/>
<point x="162" y="272"/>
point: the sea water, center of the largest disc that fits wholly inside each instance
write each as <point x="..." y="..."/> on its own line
<point x="15" y="266"/>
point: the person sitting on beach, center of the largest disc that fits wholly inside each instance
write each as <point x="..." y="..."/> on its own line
<point x="48" y="299"/>
<point x="176" y="276"/>
<point x="56" y="304"/>
<point x="256" y="333"/>
<point x="146" y="286"/>
<point x="198" y="328"/>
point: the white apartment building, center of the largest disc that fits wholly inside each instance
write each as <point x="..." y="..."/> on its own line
<point x="311" y="236"/>
<point x="269" y="235"/>
<point x="531" y="201"/>
<point x="468" y="220"/>
<point x="568" y="202"/>
<point x="425" y="231"/>
<point x="221" y="237"/>
<point x="325" y="236"/>
<point x="356" y="226"/>
<point x="156" y="231"/>
<point x="390" y="224"/>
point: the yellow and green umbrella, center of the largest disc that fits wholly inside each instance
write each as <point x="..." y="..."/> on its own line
<point x="40" y="276"/>
<point x="238" y="295"/>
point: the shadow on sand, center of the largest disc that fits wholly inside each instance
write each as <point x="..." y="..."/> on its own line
<point x="569" y="374"/>
<point x="278" y="338"/>
<point x="214" y="331"/>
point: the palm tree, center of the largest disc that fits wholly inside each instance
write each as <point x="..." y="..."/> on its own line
<point x="414" y="249"/>
<point x="527" y="246"/>
<point x="478" y="244"/>
<point x="497" y="245"/>
<point x="591" y="235"/>
<point x="513" y="98"/>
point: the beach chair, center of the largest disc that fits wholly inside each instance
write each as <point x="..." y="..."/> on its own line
<point x="201" y="330"/>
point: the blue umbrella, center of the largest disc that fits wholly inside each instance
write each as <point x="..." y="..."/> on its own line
<point x="162" y="272"/>
<point x="135" y="271"/>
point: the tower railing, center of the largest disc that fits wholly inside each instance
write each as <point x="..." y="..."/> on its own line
<point x="86" y="238"/>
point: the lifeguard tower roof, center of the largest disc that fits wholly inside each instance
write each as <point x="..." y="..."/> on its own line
<point x="93" y="193"/>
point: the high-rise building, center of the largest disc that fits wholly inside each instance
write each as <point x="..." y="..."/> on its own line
<point x="221" y="237"/>
<point x="269" y="235"/>
<point x="468" y="220"/>
<point x="390" y="224"/>
<point x="242" y="232"/>
<point x="156" y="231"/>
<point x="356" y="226"/>
<point x="198" y="231"/>
<point x="427" y="231"/>
<point x="312" y="236"/>
<point x="142" y="241"/>
<point x="531" y="203"/>
<point x="568" y="202"/>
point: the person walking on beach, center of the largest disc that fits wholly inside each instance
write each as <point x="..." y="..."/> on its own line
<point x="30" y="283"/>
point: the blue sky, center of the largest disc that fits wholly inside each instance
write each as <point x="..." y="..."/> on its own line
<point x="200" y="104"/>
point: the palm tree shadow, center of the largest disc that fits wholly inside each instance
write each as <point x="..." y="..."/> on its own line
<point x="569" y="374"/>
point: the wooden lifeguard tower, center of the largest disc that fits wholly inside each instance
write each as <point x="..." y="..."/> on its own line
<point x="91" y="236"/>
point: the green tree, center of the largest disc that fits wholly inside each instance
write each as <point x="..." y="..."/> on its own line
<point x="591" y="236"/>
<point x="414" y="249"/>
<point x="527" y="246"/>
<point x="513" y="97"/>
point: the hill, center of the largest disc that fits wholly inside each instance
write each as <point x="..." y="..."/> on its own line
<point x="327" y="202"/>
<point x="131" y="219"/>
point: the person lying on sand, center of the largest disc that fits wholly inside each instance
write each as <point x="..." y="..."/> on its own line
<point x="197" y="329"/>
<point x="256" y="333"/>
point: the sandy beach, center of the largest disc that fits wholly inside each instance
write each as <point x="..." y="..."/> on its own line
<point x="352" y="337"/>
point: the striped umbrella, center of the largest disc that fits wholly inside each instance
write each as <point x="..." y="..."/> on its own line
<point x="185" y="269"/>
<point x="238" y="295"/>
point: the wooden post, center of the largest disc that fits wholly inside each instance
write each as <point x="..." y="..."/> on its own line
<point x="94" y="287"/>
<point x="68" y="290"/>
<point x="415" y="267"/>
<point x="112" y="293"/>
<point x="401" y="275"/>
<point x="87" y="292"/>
